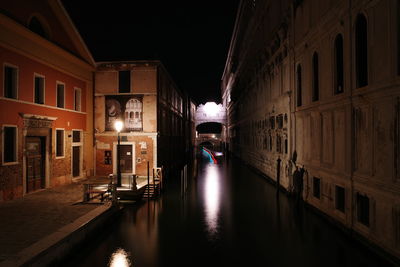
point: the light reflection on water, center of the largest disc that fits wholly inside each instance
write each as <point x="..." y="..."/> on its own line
<point x="120" y="258"/>
<point x="212" y="198"/>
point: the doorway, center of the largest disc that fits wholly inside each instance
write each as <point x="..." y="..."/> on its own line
<point x="127" y="159"/>
<point x="35" y="159"/>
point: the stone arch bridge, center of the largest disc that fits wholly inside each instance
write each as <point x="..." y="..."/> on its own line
<point x="210" y="112"/>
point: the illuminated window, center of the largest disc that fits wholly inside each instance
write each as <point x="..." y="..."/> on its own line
<point x="338" y="68"/>
<point x="10" y="81"/>
<point x="361" y="46"/>
<point x="315" y="80"/>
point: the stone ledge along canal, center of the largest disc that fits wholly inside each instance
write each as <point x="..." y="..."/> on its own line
<point x="229" y="216"/>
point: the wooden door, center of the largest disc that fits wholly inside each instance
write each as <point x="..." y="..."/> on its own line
<point x="76" y="159"/>
<point x="126" y="158"/>
<point x="35" y="171"/>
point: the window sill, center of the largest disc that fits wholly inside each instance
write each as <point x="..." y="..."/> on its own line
<point x="10" y="163"/>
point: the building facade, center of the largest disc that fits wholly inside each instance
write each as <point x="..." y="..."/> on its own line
<point x="341" y="91"/>
<point x="45" y="99"/>
<point x="155" y="115"/>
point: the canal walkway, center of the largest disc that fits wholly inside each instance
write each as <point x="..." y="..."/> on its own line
<point x="32" y="224"/>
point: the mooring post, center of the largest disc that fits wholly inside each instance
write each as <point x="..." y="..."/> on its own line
<point x="148" y="179"/>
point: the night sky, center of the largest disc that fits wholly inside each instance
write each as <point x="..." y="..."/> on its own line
<point x="191" y="38"/>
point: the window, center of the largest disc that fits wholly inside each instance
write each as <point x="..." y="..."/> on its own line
<point x="317" y="187"/>
<point x="272" y="122"/>
<point x="77" y="99"/>
<point x="279" y="121"/>
<point x="76" y="136"/>
<point x="10" y="82"/>
<point x="39" y="89"/>
<point x="339" y="198"/>
<point x="299" y="93"/>
<point x="286" y="146"/>
<point x="278" y="144"/>
<point x="36" y="26"/>
<point x="10" y="144"/>
<point x="315" y="80"/>
<point x="124" y="81"/>
<point x="363" y="209"/>
<point x="361" y="46"/>
<point x="59" y="143"/>
<point x="338" y="68"/>
<point x="60" y="95"/>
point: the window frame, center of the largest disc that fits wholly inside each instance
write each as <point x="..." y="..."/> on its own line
<point x="76" y="89"/>
<point x="55" y="143"/>
<point x="15" y="145"/>
<point x="57" y="84"/>
<point x="37" y="75"/>
<point x="6" y="64"/>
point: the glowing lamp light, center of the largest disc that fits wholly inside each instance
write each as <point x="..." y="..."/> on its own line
<point x="211" y="108"/>
<point x="118" y="125"/>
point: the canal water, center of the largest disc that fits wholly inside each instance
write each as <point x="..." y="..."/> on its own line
<point x="228" y="216"/>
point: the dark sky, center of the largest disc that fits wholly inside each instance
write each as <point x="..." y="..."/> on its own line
<point x="191" y="38"/>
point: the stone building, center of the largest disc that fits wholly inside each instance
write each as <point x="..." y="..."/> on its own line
<point x="155" y="115"/>
<point x="341" y="94"/>
<point x="45" y="99"/>
<point x="256" y="87"/>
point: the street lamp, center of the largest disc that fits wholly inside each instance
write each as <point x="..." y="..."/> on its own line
<point x="118" y="127"/>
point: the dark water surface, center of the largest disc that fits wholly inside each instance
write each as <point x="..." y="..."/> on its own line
<point x="229" y="216"/>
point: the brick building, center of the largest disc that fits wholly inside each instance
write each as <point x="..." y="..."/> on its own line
<point x="155" y="116"/>
<point x="322" y="79"/>
<point x="45" y="99"/>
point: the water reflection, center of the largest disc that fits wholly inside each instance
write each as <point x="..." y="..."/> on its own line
<point x="212" y="198"/>
<point x="120" y="258"/>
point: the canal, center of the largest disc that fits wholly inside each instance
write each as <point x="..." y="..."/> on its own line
<point x="229" y="216"/>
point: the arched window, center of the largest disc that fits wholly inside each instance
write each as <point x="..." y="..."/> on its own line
<point x="315" y="80"/>
<point x="361" y="51"/>
<point x="36" y="26"/>
<point x="338" y="68"/>
<point x="299" y="93"/>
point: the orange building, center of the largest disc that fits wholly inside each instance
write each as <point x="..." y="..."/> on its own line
<point x="46" y="99"/>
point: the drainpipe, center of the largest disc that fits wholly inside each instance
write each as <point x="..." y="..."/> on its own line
<point x="93" y="122"/>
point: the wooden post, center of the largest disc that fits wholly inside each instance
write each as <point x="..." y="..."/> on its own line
<point x="148" y="179"/>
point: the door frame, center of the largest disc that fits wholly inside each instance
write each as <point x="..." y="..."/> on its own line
<point x="78" y="144"/>
<point x="115" y="157"/>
